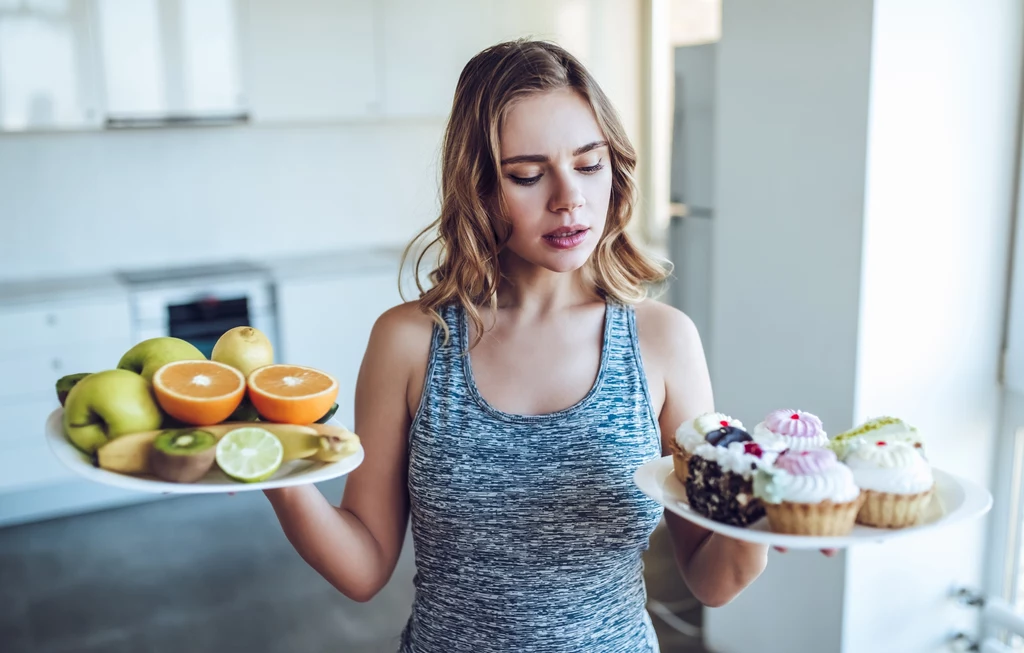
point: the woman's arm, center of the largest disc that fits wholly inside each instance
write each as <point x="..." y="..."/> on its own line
<point x="716" y="568"/>
<point x="356" y="547"/>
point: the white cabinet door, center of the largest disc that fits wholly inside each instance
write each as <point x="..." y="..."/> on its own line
<point x="326" y="324"/>
<point x="48" y="74"/>
<point x="27" y="459"/>
<point x="44" y="341"/>
<point x="169" y="59"/>
<point x="52" y="325"/>
<point x="310" y="60"/>
<point x="427" y="45"/>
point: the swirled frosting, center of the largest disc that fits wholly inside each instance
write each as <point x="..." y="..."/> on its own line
<point x="791" y="429"/>
<point x="808" y="476"/>
<point x="692" y="433"/>
<point x="895" y="467"/>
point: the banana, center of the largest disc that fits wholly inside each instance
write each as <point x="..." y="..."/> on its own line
<point x="336" y="442"/>
<point x="129" y="454"/>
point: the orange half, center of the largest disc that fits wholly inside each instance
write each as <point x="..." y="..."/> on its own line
<point x="201" y="393"/>
<point x="291" y="394"/>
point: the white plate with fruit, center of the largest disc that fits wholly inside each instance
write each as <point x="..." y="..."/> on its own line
<point x="168" y="420"/>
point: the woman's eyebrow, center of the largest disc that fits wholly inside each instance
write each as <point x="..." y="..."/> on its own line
<point x="540" y="158"/>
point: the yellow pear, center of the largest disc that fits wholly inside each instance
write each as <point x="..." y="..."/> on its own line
<point x="243" y="348"/>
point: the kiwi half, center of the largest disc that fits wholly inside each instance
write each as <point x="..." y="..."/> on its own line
<point x="329" y="415"/>
<point x="183" y="455"/>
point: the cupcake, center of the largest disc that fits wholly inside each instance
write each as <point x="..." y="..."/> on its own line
<point x="691" y="434"/>
<point x="791" y="429"/>
<point x="895" y="479"/>
<point x="808" y="492"/>
<point x="879" y="429"/>
<point x="719" y="482"/>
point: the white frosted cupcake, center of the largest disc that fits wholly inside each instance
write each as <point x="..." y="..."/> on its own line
<point x="809" y="492"/>
<point x="896" y="480"/>
<point x="880" y="429"/>
<point x="693" y="433"/>
<point x="795" y="430"/>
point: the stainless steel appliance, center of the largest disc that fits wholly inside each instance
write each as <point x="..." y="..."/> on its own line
<point x="199" y="303"/>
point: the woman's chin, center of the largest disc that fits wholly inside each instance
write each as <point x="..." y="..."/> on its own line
<point x="564" y="261"/>
<point x="549" y="258"/>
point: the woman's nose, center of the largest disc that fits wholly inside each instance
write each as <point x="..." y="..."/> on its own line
<point x="567" y="195"/>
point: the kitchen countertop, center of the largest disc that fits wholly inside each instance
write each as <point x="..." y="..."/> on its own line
<point x="61" y="289"/>
<point x="338" y="262"/>
<point x="292" y="267"/>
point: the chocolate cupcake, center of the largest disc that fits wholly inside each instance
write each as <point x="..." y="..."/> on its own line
<point x="719" y="483"/>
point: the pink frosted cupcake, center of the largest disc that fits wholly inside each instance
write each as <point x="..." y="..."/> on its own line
<point x="790" y="429"/>
<point x="809" y="492"/>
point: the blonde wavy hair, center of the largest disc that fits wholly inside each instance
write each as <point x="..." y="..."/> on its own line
<point x="471" y="230"/>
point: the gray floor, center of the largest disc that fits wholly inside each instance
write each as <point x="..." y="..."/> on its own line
<point x="206" y="574"/>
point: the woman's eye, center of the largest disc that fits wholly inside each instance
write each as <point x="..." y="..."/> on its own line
<point x="525" y="181"/>
<point x="591" y="169"/>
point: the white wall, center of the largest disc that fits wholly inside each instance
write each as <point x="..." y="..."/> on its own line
<point x="941" y="148"/>
<point x="864" y="187"/>
<point x="94" y="201"/>
<point x="790" y="134"/>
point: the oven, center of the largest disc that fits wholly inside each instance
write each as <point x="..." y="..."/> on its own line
<point x="200" y="303"/>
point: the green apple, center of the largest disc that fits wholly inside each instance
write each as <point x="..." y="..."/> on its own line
<point x="108" y="404"/>
<point x="150" y="355"/>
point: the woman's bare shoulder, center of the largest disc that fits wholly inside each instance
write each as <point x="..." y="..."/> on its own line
<point x="397" y="354"/>
<point x="664" y="329"/>
<point x="404" y="329"/>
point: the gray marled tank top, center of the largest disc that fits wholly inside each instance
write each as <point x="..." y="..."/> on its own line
<point x="528" y="529"/>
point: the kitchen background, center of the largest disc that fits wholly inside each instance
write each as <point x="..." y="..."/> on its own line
<point x="835" y="182"/>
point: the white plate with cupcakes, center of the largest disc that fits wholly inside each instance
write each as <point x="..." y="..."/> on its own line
<point x="787" y="484"/>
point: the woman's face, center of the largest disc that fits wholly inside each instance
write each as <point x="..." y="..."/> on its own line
<point x="556" y="178"/>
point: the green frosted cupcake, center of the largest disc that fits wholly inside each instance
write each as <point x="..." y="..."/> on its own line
<point x="879" y="429"/>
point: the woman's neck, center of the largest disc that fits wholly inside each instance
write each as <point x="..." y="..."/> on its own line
<point x="531" y="289"/>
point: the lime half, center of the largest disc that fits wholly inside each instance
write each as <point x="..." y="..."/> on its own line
<point x="249" y="454"/>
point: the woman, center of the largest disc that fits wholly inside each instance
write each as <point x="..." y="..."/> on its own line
<point x="508" y="408"/>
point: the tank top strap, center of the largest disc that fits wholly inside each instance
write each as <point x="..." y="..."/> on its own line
<point x="624" y="358"/>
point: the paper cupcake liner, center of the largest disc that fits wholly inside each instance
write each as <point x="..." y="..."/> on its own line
<point x="681" y="463"/>
<point x="822" y="519"/>
<point x="889" y="510"/>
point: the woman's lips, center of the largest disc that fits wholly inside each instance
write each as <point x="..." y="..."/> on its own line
<point x="567" y="238"/>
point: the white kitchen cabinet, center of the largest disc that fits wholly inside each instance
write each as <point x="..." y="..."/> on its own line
<point x="48" y="71"/>
<point x="26" y="372"/>
<point x="52" y="324"/>
<point x="42" y="339"/>
<point x="29" y="463"/>
<point x="326" y="322"/>
<point x="426" y="46"/>
<point x="310" y="60"/>
<point x="169" y="60"/>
